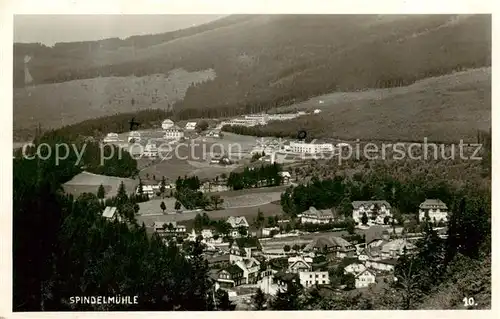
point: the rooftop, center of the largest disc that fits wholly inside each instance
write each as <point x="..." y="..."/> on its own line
<point x="433" y="203"/>
<point x="359" y="203"/>
<point x="319" y="213"/>
<point x="109" y="212"/>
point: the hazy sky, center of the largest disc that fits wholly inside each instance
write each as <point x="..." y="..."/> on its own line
<point x="49" y="29"/>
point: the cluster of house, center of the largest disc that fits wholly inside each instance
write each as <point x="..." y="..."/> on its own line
<point x="377" y="212"/>
<point x="369" y="263"/>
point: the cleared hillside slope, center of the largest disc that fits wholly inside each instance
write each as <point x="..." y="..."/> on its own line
<point x="265" y="61"/>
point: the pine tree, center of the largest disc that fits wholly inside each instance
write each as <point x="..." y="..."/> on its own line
<point x="163" y="185"/>
<point x="364" y="219"/>
<point x="101" y="192"/>
<point x="289" y="299"/>
<point x="163" y="207"/>
<point x="222" y="300"/>
<point x="121" y="195"/>
<point x="259" y="300"/>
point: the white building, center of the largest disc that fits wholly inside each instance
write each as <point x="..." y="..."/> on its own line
<point x="317" y="111"/>
<point x="173" y="133"/>
<point x="134" y="137"/>
<point x="354" y="268"/>
<point x="190" y="126"/>
<point x="150" y="150"/>
<point x="380" y="208"/>
<point x="111" y="213"/>
<point x="312" y="278"/>
<point x="164" y="228"/>
<point x="237" y="222"/>
<point x="242" y="122"/>
<point x="167" y="124"/>
<point x="285" y="116"/>
<point x="382" y="265"/>
<point x="111" y="138"/>
<point x="435" y="209"/>
<point x="266" y="231"/>
<point x="315" y="216"/>
<point x="149" y="190"/>
<point x="310" y="148"/>
<point x="263" y="118"/>
<point x="364" y="279"/>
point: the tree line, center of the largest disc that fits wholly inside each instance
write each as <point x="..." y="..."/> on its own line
<point x="62" y="246"/>
<point x="263" y="176"/>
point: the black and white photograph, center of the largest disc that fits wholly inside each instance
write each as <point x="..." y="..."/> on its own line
<point x="251" y="162"/>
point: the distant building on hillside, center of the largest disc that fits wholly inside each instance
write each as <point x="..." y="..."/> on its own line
<point x="311" y="148"/>
<point x="149" y="190"/>
<point x="317" y="111"/>
<point x="435" y="209"/>
<point x="190" y="126"/>
<point x="164" y="228"/>
<point x="166" y="124"/>
<point x="150" y="151"/>
<point x="134" y="137"/>
<point x="111" y="138"/>
<point x="174" y="133"/>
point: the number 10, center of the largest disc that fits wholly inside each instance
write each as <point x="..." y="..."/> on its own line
<point x="468" y="302"/>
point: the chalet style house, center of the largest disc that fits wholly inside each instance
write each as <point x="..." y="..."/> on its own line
<point x="315" y="216"/>
<point x="435" y="209"/>
<point x="375" y="210"/>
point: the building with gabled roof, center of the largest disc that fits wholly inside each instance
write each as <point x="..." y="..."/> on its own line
<point x="173" y="133"/>
<point x="378" y="208"/>
<point x="435" y="209"/>
<point x="365" y="279"/>
<point x="190" y="126"/>
<point x="315" y="216"/>
<point x="299" y="264"/>
<point x="111" y="213"/>
<point x="312" y="278"/>
<point x="238" y="221"/>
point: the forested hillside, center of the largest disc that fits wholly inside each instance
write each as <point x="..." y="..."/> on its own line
<point x="265" y="61"/>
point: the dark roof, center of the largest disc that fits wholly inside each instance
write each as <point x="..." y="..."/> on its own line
<point x="359" y="203"/>
<point x="283" y="276"/>
<point x="319" y="213"/>
<point x="220" y="258"/>
<point x="393" y="262"/>
<point x="433" y="203"/>
<point x="233" y="269"/>
<point x="329" y="242"/>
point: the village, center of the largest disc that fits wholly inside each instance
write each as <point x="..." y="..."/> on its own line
<point x="245" y="256"/>
<point x="315" y="249"/>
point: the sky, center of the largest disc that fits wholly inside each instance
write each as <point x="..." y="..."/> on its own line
<point x="49" y="29"/>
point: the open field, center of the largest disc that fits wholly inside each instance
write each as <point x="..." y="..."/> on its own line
<point x="56" y="105"/>
<point x="446" y="108"/>
<point x="191" y="157"/>
<point x="88" y="182"/>
<point x="186" y="218"/>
